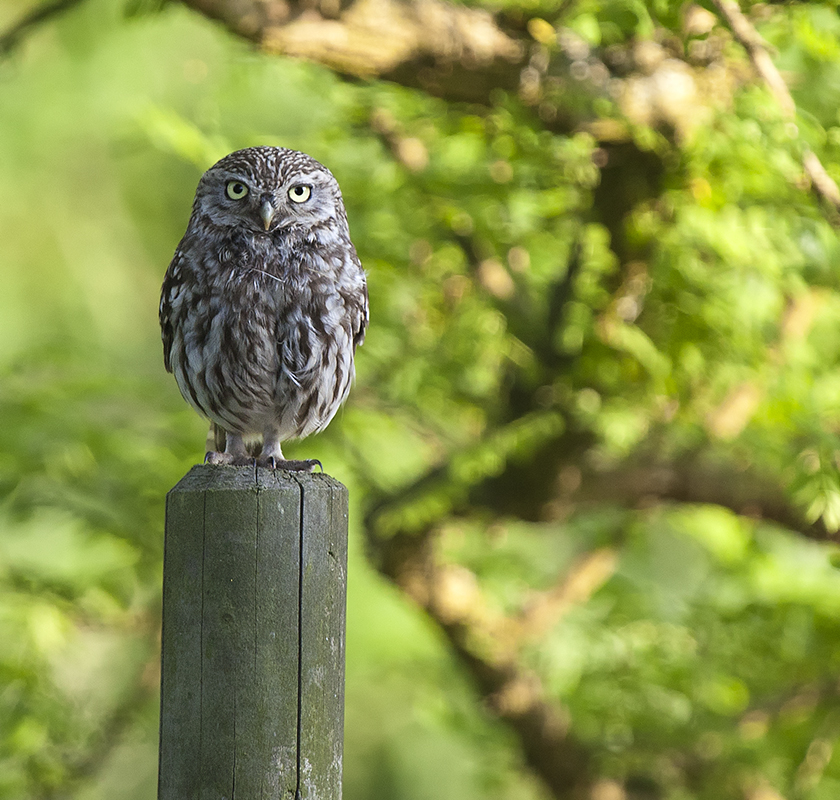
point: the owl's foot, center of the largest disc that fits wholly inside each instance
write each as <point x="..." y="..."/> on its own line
<point x="214" y="457"/>
<point x="293" y="466"/>
<point x="308" y="465"/>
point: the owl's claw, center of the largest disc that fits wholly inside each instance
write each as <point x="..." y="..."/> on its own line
<point x="308" y="465"/>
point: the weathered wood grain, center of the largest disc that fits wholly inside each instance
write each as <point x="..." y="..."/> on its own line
<point x="252" y="680"/>
<point x="322" y="651"/>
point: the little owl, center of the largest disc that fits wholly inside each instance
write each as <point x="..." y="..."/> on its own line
<point x="264" y="303"/>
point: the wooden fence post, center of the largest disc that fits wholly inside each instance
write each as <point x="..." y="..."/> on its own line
<point x="252" y="676"/>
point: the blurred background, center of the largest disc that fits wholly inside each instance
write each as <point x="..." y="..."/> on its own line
<point x="593" y="446"/>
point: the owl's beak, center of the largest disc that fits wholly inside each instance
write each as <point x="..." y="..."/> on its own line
<point x="267" y="212"/>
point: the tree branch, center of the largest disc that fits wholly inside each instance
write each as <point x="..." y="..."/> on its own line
<point x="694" y="479"/>
<point x="757" y="49"/>
<point x="481" y="641"/>
<point x="13" y="36"/>
<point x="547" y="608"/>
<point x="444" y="49"/>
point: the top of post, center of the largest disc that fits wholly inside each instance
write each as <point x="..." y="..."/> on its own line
<point x="216" y="477"/>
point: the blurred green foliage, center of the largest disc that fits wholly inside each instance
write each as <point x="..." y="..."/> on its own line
<point x="509" y="315"/>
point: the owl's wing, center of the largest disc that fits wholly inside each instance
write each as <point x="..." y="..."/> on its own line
<point x="363" y="314"/>
<point x="169" y="290"/>
<point x="359" y="306"/>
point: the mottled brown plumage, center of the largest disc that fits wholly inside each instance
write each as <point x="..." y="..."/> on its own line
<point x="265" y="302"/>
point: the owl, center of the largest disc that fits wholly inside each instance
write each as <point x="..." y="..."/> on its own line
<point x="264" y="304"/>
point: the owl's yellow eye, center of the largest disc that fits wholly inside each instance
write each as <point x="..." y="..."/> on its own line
<point x="236" y="190"/>
<point x="300" y="193"/>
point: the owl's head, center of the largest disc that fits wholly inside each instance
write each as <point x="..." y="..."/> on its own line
<point x="263" y="189"/>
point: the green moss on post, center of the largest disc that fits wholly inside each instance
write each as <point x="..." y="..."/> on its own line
<point x="252" y="682"/>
